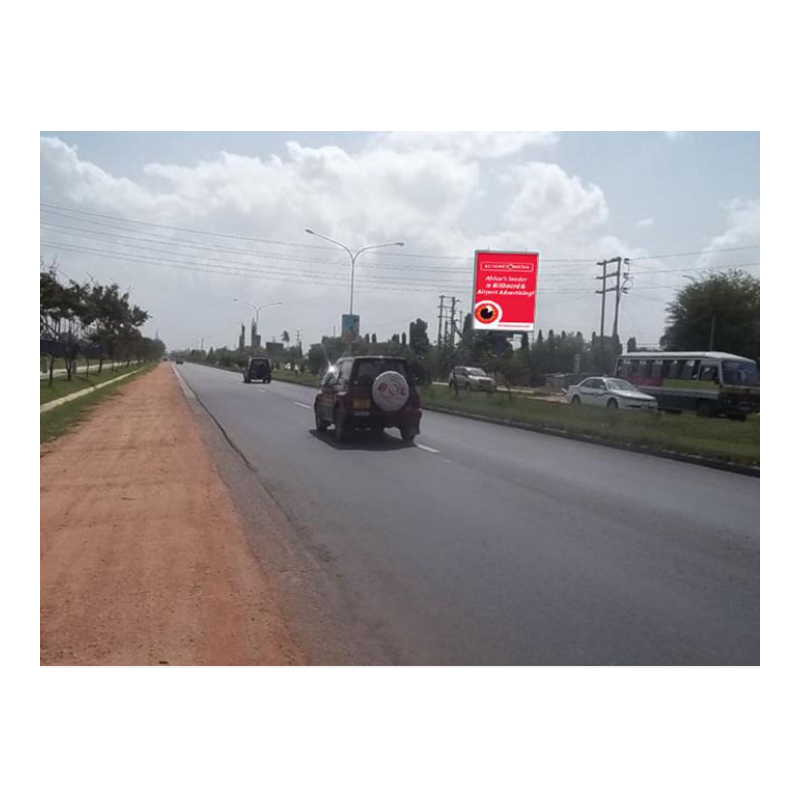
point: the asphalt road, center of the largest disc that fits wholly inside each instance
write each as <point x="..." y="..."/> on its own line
<point x="489" y="545"/>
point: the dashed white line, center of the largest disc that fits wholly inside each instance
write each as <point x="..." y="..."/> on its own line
<point x="302" y="405"/>
<point x="425" y="447"/>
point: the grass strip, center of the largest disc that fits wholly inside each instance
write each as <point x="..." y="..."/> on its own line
<point x="60" y="420"/>
<point x="62" y="387"/>
<point x="723" y="439"/>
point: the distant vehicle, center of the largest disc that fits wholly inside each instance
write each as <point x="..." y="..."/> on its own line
<point x="257" y="369"/>
<point x="179" y="361"/>
<point x="368" y="393"/>
<point x="610" y="393"/>
<point x="472" y="379"/>
<point x="709" y="383"/>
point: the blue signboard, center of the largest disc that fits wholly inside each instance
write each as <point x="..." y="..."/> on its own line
<point x="350" y="327"/>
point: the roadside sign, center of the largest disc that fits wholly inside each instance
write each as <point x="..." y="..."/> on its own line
<point x="350" y="327"/>
<point x="504" y="295"/>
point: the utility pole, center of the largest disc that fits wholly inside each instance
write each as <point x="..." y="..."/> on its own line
<point x="616" y="302"/>
<point x="297" y="338"/>
<point x="713" y="325"/>
<point x="441" y="314"/>
<point x="453" y="301"/>
<point x="602" y="292"/>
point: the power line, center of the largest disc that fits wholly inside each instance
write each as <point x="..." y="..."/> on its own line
<point x="243" y="272"/>
<point x="697" y="252"/>
<point x="255" y="272"/>
<point x="447" y="276"/>
<point x="58" y="208"/>
<point x="703" y="269"/>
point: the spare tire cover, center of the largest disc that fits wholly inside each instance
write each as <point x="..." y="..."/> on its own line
<point x="390" y="391"/>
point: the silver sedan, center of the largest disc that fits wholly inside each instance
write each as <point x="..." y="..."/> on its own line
<point x="610" y="393"/>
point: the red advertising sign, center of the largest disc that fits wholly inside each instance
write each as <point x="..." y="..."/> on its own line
<point x="504" y="298"/>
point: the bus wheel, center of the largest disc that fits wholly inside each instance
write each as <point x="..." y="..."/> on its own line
<point x="704" y="409"/>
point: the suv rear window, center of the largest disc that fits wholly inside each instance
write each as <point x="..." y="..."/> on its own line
<point x="366" y="371"/>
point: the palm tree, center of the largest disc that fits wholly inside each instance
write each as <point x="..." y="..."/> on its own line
<point x="285" y="337"/>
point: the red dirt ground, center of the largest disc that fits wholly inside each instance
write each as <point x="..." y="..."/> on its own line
<point x="143" y="557"/>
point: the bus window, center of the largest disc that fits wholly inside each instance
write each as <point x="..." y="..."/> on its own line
<point x="675" y="369"/>
<point x="622" y="368"/>
<point x="709" y="373"/>
<point x="665" y="368"/>
<point x="690" y="370"/>
<point x="658" y="368"/>
<point x="648" y="369"/>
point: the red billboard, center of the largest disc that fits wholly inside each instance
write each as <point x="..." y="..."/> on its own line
<point x="504" y="297"/>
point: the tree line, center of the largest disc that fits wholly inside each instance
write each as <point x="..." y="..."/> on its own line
<point x="720" y="312"/>
<point x="92" y="320"/>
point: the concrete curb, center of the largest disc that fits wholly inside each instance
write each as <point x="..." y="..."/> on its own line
<point x="725" y="466"/>
<point x="75" y="395"/>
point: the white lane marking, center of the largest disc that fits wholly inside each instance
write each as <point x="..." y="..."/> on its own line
<point x="263" y="391"/>
<point x="302" y="405"/>
<point x="425" y="447"/>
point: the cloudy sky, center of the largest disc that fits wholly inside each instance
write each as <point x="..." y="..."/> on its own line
<point x="189" y="221"/>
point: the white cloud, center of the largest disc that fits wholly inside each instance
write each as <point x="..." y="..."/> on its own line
<point x="470" y="144"/>
<point x="743" y="228"/>
<point x="549" y="201"/>
<point x="674" y="135"/>
<point x="647" y="222"/>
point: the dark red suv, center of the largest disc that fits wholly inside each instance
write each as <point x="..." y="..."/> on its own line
<point x="368" y="393"/>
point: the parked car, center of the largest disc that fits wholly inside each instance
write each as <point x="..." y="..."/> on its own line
<point x="257" y="369"/>
<point x="368" y="393"/>
<point x="472" y="379"/>
<point x="610" y="393"/>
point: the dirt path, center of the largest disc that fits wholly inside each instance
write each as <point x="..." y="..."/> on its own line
<point x="143" y="558"/>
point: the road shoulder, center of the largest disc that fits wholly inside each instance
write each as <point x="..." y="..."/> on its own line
<point x="144" y="559"/>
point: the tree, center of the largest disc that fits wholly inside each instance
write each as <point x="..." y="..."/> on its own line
<point x="285" y="337"/>
<point x="418" y="338"/>
<point x="631" y="346"/>
<point x="403" y="338"/>
<point x="720" y="312"/>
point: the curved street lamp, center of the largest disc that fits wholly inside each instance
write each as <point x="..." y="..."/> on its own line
<point x="256" y="308"/>
<point x="353" y="256"/>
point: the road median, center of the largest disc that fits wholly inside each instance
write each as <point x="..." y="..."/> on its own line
<point x="720" y="443"/>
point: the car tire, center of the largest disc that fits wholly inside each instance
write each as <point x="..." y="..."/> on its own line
<point x="407" y="434"/>
<point x="340" y="428"/>
<point x="612" y="404"/>
<point x="322" y="425"/>
<point x="247" y="380"/>
<point x="576" y="401"/>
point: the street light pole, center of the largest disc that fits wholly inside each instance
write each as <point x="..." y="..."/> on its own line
<point x="353" y="257"/>
<point x="256" y="308"/>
